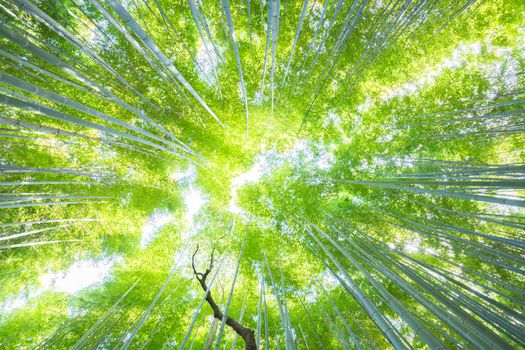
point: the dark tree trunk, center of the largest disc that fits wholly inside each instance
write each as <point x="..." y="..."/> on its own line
<point x="245" y="333"/>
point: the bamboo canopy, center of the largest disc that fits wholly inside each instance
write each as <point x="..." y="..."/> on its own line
<point x="262" y="174"/>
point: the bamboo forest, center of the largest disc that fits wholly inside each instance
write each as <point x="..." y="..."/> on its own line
<point x="262" y="174"/>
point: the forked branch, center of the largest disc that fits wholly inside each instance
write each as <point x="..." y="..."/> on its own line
<point x="245" y="333"/>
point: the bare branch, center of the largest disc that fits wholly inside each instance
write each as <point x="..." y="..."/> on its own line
<point x="195" y="272"/>
<point x="246" y="333"/>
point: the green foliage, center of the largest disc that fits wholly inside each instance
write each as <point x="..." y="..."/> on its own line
<point x="388" y="176"/>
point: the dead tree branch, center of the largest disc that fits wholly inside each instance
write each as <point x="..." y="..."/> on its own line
<point x="244" y="332"/>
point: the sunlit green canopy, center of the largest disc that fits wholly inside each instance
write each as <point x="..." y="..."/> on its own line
<point x="262" y="174"/>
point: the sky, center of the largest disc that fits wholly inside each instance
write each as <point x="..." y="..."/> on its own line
<point x="80" y="275"/>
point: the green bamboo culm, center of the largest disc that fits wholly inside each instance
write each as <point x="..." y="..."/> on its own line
<point x="262" y="174"/>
